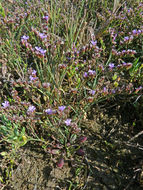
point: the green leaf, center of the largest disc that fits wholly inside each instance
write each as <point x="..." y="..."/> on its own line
<point x="16" y="132"/>
<point x="115" y="76"/>
<point x="3" y="153"/>
<point x="73" y="137"/>
<point x="2" y="12"/>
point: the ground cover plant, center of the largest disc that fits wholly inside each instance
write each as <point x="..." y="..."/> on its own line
<point x="64" y="64"/>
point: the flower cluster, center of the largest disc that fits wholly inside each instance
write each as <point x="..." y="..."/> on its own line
<point x="40" y="51"/>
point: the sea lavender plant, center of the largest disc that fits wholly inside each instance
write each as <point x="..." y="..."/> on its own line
<point x="68" y="63"/>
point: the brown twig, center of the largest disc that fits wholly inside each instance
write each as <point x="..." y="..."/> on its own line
<point x="136" y="136"/>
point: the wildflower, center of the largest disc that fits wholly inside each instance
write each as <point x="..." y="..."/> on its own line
<point x="85" y="74"/>
<point x="92" y="92"/>
<point x="40" y="50"/>
<point x="5" y="104"/>
<point x="134" y="32"/>
<point x="42" y="36"/>
<point x="32" y="78"/>
<point x="123" y="51"/>
<point x="114" y="37"/>
<point x="91" y="72"/>
<point x="25" y="37"/>
<point x="61" y="108"/>
<point x="139" y="31"/>
<point x="111" y="65"/>
<point x="105" y="90"/>
<point x="68" y="122"/>
<point x="126" y="38"/>
<point x="34" y="72"/>
<point x="31" y="109"/>
<point x="49" y="111"/>
<point x="93" y="42"/>
<point x="46" y="18"/>
<point x="113" y="91"/>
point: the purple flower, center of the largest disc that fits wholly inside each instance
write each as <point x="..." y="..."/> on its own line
<point x="111" y="65"/>
<point x="61" y="108"/>
<point x="134" y="32"/>
<point x="114" y="37"/>
<point x="32" y="78"/>
<point x="85" y="74"/>
<point x="31" y="109"/>
<point x="113" y="91"/>
<point x="93" y="42"/>
<point x="42" y="36"/>
<point x="105" y="89"/>
<point x="91" y="72"/>
<point x="124" y="64"/>
<point x="50" y="111"/>
<point x="46" y="17"/>
<point x="124" y="51"/>
<point x="92" y="92"/>
<point x="5" y="104"/>
<point x="126" y="38"/>
<point x="25" y="37"/>
<point x="40" y="50"/>
<point x="68" y="122"/>
<point x="34" y="72"/>
<point x="139" y="31"/>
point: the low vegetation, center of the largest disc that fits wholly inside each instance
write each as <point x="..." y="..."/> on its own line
<point x="58" y="61"/>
